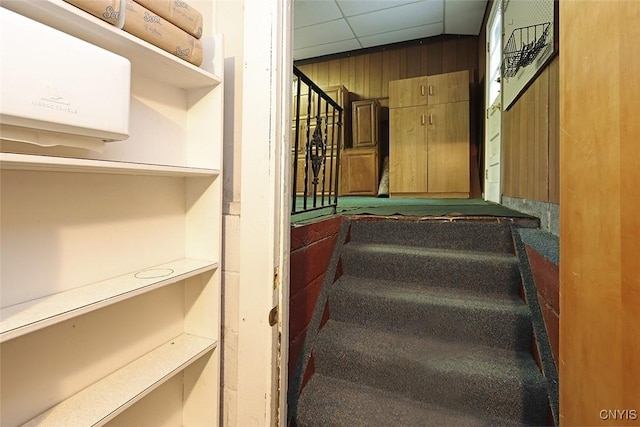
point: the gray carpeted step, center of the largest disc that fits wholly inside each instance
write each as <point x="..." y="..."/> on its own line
<point x="496" y="273"/>
<point x="331" y="402"/>
<point x="488" y="382"/>
<point x="470" y="317"/>
<point x="481" y="236"/>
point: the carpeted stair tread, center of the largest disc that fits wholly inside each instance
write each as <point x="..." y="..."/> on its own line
<point x="331" y="402"/>
<point x="491" y="382"/>
<point x="439" y="312"/>
<point x="479" y="271"/>
<point x="481" y="236"/>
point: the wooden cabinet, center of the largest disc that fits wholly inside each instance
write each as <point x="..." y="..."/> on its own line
<point x="110" y="275"/>
<point x="365" y="123"/>
<point x="361" y="161"/>
<point x="360" y="167"/>
<point x="429" y="136"/>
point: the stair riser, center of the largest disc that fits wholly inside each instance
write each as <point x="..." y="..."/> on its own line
<point x="502" y="329"/>
<point x="479" y="394"/>
<point x="495" y="276"/>
<point x="478" y="236"/>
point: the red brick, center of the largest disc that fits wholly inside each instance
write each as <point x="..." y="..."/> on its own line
<point x="546" y="276"/>
<point x="308" y="263"/>
<point x="552" y="324"/>
<point x="295" y="348"/>
<point x="302" y="304"/>
<point x="307" y="234"/>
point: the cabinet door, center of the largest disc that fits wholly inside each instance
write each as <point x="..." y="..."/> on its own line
<point x="408" y="92"/>
<point x="448" y="152"/>
<point x="449" y="87"/>
<point x="365" y="123"/>
<point x="361" y="167"/>
<point x="407" y="150"/>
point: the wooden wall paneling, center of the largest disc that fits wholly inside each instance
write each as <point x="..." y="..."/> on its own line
<point x="390" y="70"/>
<point x="522" y="143"/>
<point x="424" y="59"/>
<point x="599" y="222"/>
<point x="434" y="65"/>
<point x="554" y="133"/>
<point x="450" y="56"/>
<point x="359" y="70"/>
<point x="414" y="57"/>
<point x="322" y="74"/>
<point x="375" y="76"/>
<point x="542" y="138"/>
<point x="334" y="73"/>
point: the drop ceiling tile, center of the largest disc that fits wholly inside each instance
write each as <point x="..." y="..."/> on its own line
<point x="358" y="7"/>
<point x="464" y="16"/>
<point x="310" y="12"/>
<point x="402" y="35"/>
<point x="328" y="32"/>
<point x="326" y="49"/>
<point x="398" y="18"/>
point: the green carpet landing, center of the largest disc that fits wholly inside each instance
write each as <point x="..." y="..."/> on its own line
<point x="412" y="207"/>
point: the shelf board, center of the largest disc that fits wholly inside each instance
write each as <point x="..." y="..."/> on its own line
<point x="104" y="400"/>
<point x="26" y="317"/>
<point x="31" y="162"/>
<point x="146" y="59"/>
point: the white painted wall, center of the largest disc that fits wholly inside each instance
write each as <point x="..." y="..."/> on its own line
<point x="258" y="68"/>
<point x="230" y="22"/>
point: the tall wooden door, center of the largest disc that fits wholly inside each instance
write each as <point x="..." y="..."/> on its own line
<point x="408" y="150"/>
<point x="448" y="148"/>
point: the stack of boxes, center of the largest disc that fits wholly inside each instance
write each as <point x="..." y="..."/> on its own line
<point x="171" y="25"/>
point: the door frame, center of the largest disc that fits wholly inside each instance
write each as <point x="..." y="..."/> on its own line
<point x="489" y="108"/>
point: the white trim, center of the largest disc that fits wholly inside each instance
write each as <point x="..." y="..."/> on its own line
<point x="264" y="213"/>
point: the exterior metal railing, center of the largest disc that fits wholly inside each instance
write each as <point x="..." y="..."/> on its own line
<point x="317" y="139"/>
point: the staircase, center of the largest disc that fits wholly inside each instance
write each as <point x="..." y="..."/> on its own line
<point x="426" y="328"/>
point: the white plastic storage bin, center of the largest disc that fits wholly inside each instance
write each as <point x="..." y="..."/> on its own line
<point x="57" y="89"/>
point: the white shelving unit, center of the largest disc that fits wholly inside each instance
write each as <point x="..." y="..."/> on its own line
<point x="109" y="278"/>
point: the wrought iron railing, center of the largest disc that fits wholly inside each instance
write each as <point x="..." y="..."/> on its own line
<point x="317" y="139"/>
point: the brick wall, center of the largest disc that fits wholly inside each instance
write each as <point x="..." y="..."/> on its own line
<point x="311" y="249"/>
<point x="546" y="277"/>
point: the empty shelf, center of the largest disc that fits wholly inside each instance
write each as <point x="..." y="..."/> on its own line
<point x="23" y="318"/>
<point x="102" y="401"/>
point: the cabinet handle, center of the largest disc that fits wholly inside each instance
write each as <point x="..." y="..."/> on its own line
<point x="422" y="119"/>
<point x="431" y="90"/>
<point x="430" y="119"/>
<point x="422" y="90"/>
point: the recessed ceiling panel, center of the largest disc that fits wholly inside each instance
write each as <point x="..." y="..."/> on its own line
<point x="402" y="35"/>
<point x="358" y="7"/>
<point x="310" y="12"/>
<point x="326" y="49"/>
<point x="398" y="18"/>
<point x="328" y="32"/>
<point x="463" y="16"/>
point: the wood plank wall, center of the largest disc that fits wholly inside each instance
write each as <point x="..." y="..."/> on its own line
<point x="530" y="141"/>
<point x="367" y="75"/>
<point x="599" y="221"/>
<point x="530" y="168"/>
